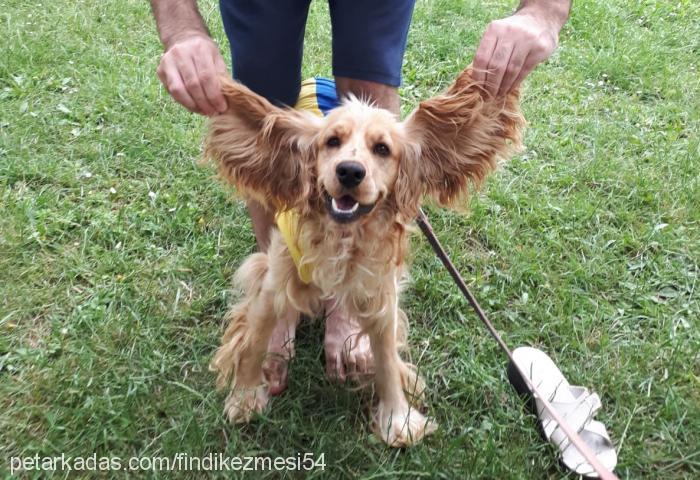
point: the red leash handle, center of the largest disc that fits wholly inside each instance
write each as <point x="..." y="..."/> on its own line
<point x="571" y="433"/>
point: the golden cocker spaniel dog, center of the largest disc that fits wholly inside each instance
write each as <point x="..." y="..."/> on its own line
<point x="350" y="184"/>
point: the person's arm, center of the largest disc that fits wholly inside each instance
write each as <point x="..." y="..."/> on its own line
<point x="513" y="46"/>
<point x="192" y="63"/>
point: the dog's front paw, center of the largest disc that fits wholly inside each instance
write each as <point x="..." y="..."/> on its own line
<point x="401" y="427"/>
<point x="413" y="384"/>
<point x="242" y="403"/>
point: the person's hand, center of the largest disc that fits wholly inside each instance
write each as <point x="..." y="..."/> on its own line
<point x="190" y="70"/>
<point x="511" y="48"/>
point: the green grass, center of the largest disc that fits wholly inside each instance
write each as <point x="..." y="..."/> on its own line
<point x="116" y="251"/>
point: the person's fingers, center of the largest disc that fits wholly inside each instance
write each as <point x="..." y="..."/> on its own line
<point x="540" y="50"/>
<point x="170" y="77"/>
<point x="188" y="72"/>
<point x="221" y="69"/>
<point x="528" y="66"/>
<point x="497" y="65"/>
<point x="209" y="81"/>
<point x="513" y="69"/>
<point x="483" y="55"/>
<point x="219" y="63"/>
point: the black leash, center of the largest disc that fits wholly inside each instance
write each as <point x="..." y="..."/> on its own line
<point x="573" y="436"/>
<point x="427" y="230"/>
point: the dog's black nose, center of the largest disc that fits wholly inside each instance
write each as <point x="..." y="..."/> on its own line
<point x="350" y="174"/>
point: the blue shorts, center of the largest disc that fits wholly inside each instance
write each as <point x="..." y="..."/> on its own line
<point x="267" y="41"/>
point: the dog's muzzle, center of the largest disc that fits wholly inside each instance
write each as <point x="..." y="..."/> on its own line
<point x="345" y="209"/>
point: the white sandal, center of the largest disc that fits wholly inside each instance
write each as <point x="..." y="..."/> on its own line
<point x="575" y="404"/>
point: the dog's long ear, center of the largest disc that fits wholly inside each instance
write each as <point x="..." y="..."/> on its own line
<point x="266" y="151"/>
<point x="456" y="139"/>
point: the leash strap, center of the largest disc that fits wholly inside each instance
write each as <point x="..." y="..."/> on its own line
<point x="573" y="436"/>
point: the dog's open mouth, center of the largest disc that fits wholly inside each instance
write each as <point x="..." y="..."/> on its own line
<point x="345" y="208"/>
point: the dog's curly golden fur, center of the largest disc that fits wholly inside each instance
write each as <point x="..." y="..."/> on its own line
<point x="356" y="179"/>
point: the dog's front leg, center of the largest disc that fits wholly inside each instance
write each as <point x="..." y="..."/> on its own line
<point x="240" y="357"/>
<point x="396" y="420"/>
<point x="242" y="353"/>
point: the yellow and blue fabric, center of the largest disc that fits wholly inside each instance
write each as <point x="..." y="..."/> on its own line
<point x="318" y="96"/>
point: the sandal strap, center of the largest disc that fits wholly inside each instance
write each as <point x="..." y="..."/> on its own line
<point x="599" y="429"/>
<point x="577" y="414"/>
<point x="600" y="447"/>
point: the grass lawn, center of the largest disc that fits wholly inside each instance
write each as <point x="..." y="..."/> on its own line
<point x="116" y="251"/>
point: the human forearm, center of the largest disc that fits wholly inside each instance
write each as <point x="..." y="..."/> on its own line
<point x="177" y="19"/>
<point x="556" y="12"/>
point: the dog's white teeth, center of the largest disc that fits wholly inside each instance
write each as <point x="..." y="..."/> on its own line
<point x="336" y="208"/>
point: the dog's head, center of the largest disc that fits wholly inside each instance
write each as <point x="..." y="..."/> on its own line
<point x="360" y="159"/>
<point x="359" y="151"/>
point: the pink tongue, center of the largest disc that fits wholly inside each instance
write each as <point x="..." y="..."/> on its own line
<point x="346" y="202"/>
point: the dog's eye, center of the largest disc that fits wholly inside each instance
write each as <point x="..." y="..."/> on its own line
<point x="382" y="150"/>
<point x="333" y="142"/>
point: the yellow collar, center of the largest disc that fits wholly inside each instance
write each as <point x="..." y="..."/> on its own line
<point x="288" y="221"/>
<point x="288" y="224"/>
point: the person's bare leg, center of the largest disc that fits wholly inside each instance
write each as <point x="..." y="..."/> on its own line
<point x="281" y="345"/>
<point x="347" y="353"/>
<point x="262" y="220"/>
<point x="280" y="349"/>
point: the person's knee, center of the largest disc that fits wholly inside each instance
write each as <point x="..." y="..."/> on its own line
<point x="384" y="96"/>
